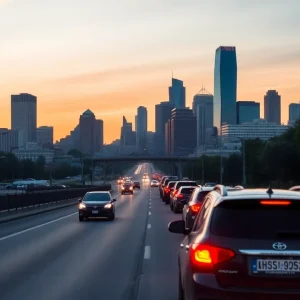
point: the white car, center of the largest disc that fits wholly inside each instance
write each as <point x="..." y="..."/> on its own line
<point x="154" y="183"/>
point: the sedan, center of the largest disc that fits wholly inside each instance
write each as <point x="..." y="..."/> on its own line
<point x="127" y="188"/>
<point x="154" y="183"/>
<point x="96" y="205"/>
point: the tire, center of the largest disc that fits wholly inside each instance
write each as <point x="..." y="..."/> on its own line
<point x="181" y="295"/>
<point x="81" y="218"/>
<point x="111" y="218"/>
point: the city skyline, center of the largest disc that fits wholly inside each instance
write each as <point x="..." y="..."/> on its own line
<point x="68" y="77"/>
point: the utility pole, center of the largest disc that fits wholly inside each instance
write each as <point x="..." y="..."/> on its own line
<point x="244" y="161"/>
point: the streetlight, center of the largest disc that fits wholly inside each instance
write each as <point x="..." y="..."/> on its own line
<point x="244" y="159"/>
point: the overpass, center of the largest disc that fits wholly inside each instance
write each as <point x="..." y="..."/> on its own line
<point x="175" y="160"/>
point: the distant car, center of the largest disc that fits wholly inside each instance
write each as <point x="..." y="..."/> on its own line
<point x="127" y="187"/>
<point x="96" y="205"/>
<point x="136" y="185"/>
<point x="154" y="183"/>
<point x="182" y="197"/>
<point x="210" y="184"/>
<point x="120" y="181"/>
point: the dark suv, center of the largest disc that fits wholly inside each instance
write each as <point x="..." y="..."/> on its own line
<point x="163" y="185"/>
<point x="244" y="245"/>
<point x="176" y="189"/>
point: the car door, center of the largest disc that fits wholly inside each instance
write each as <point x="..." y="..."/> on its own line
<point x="197" y="229"/>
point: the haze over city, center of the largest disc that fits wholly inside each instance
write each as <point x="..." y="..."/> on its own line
<point x="113" y="57"/>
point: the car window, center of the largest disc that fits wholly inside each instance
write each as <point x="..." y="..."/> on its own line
<point x="248" y="219"/>
<point x="200" y="221"/>
<point x="97" y="197"/>
<point x="187" y="191"/>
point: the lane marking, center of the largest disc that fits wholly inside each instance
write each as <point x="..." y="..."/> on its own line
<point x="36" y="227"/>
<point x="147" y="253"/>
<point x="149" y="226"/>
<point x="148" y="214"/>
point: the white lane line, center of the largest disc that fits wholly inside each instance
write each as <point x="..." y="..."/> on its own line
<point x="149" y="226"/>
<point x="36" y="227"/>
<point x="148" y="214"/>
<point x="147" y="253"/>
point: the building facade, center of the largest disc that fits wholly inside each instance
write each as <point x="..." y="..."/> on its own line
<point x="10" y="140"/>
<point x="294" y="112"/>
<point x="225" y="87"/>
<point x="44" y="136"/>
<point x="177" y="93"/>
<point x="272" y="103"/>
<point x="24" y="116"/>
<point x="99" y="135"/>
<point x="141" y="129"/>
<point x="247" y="111"/>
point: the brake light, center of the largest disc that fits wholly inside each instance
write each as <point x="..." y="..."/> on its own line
<point x="275" y="202"/>
<point x="167" y="189"/>
<point x="206" y="257"/>
<point x="195" y="208"/>
<point x="175" y="192"/>
<point x="179" y="196"/>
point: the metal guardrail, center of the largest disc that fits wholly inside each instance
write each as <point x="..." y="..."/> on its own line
<point x="20" y="201"/>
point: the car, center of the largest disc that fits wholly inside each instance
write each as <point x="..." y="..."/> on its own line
<point x="210" y="184"/>
<point x="127" y="187"/>
<point x="136" y="185"/>
<point x="167" y="191"/>
<point x="120" y="181"/>
<point x="95" y="205"/>
<point x="182" y="197"/>
<point x="154" y="183"/>
<point x="162" y="183"/>
<point x="245" y="244"/>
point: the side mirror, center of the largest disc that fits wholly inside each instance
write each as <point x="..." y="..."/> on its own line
<point x="177" y="227"/>
<point x="114" y="200"/>
<point x="79" y="200"/>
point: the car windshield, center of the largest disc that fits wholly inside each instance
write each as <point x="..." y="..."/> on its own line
<point x="187" y="191"/>
<point x="171" y="184"/>
<point x="186" y="183"/>
<point x="250" y="220"/>
<point x="97" y="197"/>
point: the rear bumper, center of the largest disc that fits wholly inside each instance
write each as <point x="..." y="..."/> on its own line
<point x="101" y="213"/>
<point x="206" y="287"/>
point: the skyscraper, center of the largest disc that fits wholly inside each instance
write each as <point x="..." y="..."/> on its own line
<point x="272" y="103"/>
<point x="203" y="110"/>
<point x="87" y="132"/>
<point x="247" y="111"/>
<point x="23" y="116"/>
<point x="162" y="115"/>
<point x="294" y="112"/>
<point x="44" y="136"/>
<point x="98" y="135"/>
<point x="128" y="137"/>
<point x="177" y="94"/>
<point x="225" y="86"/>
<point x="141" y="129"/>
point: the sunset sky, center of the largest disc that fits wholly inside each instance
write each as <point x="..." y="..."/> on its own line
<point x="112" y="56"/>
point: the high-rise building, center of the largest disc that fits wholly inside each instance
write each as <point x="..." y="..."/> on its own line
<point x="162" y="115"/>
<point x="24" y="116"/>
<point x="272" y="103"/>
<point x="225" y="87"/>
<point x="10" y="140"/>
<point x="128" y="137"/>
<point x="98" y="135"/>
<point x="44" y="136"/>
<point x="141" y="129"/>
<point x="87" y="132"/>
<point x="181" y="132"/>
<point x="177" y="93"/>
<point x="294" y="112"/>
<point x="203" y="110"/>
<point x="247" y="111"/>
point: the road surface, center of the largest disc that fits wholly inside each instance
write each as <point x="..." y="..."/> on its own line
<point x="54" y="256"/>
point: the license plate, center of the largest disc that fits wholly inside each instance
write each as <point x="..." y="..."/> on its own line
<point x="95" y="212"/>
<point x="276" y="266"/>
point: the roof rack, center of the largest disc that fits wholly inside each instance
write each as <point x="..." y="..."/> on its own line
<point x="221" y="189"/>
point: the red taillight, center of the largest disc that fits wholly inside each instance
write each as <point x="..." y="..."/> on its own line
<point x="175" y="192"/>
<point x="205" y="256"/>
<point x="275" y="202"/>
<point x="195" y="208"/>
<point x="167" y="189"/>
<point x="179" y="196"/>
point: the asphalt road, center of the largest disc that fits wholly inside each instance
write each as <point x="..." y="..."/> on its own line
<point x="53" y="256"/>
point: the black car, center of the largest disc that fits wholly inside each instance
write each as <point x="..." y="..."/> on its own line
<point x="245" y="244"/>
<point x="167" y="190"/>
<point x="182" y="197"/>
<point x="176" y="187"/>
<point x="163" y="184"/>
<point x="127" y="187"/>
<point x="136" y="185"/>
<point x="96" y="205"/>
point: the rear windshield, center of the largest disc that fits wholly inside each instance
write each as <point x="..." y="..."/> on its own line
<point x="97" y="197"/>
<point x="171" y="184"/>
<point x="201" y="195"/>
<point x="187" y="191"/>
<point x="248" y="219"/>
<point x="186" y="183"/>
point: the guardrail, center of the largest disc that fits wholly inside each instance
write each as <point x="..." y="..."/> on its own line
<point x="14" y="202"/>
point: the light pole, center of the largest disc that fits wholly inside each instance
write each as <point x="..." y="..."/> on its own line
<point x="244" y="159"/>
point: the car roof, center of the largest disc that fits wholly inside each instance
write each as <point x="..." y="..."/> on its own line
<point x="248" y="194"/>
<point x="187" y="187"/>
<point x="99" y="192"/>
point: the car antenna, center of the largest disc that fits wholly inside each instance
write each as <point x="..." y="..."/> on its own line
<point x="270" y="191"/>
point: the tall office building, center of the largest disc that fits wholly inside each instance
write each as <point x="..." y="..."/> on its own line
<point x="9" y="140"/>
<point x="225" y="87"/>
<point x="177" y="94"/>
<point x="181" y="132"/>
<point x="87" y="132"/>
<point x="141" y="129"/>
<point x="128" y="137"/>
<point x="247" y="111"/>
<point x="294" y="112"/>
<point x="272" y="103"/>
<point x="162" y="115"/>
<point x="44" y="136"/>
<point x="203" y="109"/>
<point x="24" y="116"/>
<point x="98" y="135"/>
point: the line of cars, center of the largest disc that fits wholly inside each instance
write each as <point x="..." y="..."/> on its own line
<point x="238" y="243"/>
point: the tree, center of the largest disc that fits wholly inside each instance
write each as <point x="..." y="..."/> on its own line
<point x="27" y="169"/>
<point x="40" y="167"/>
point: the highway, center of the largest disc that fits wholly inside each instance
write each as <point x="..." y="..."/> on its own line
<point x="53" y="256"/>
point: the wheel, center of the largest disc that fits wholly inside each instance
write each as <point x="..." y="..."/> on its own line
<point x="180" y="289"/>
<point x="81" y="218"/>
<point x="111" y="218"/>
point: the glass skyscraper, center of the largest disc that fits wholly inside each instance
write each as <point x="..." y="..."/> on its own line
<point x="247" y="111"/>
<point x="294" y="112"/>
<point x="177" y="94"/>
<point x="225" y="86"/>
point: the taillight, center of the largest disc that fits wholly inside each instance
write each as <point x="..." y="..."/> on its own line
<point x="167" y="189"/>
<point x="179" y="196"/>
<point x="275" y="202"/>
<point x="205" y="257"/>
<point x="175" y="192"/>
<point x="195" y="208"/>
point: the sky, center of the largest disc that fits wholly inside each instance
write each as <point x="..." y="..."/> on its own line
<point x="113" y="56"/>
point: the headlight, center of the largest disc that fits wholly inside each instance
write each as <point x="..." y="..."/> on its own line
<point x="122" y="187"/>
<point x="131" y="187"/>
<point x="82" y="206"/>
<point x="108" y="205"/>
